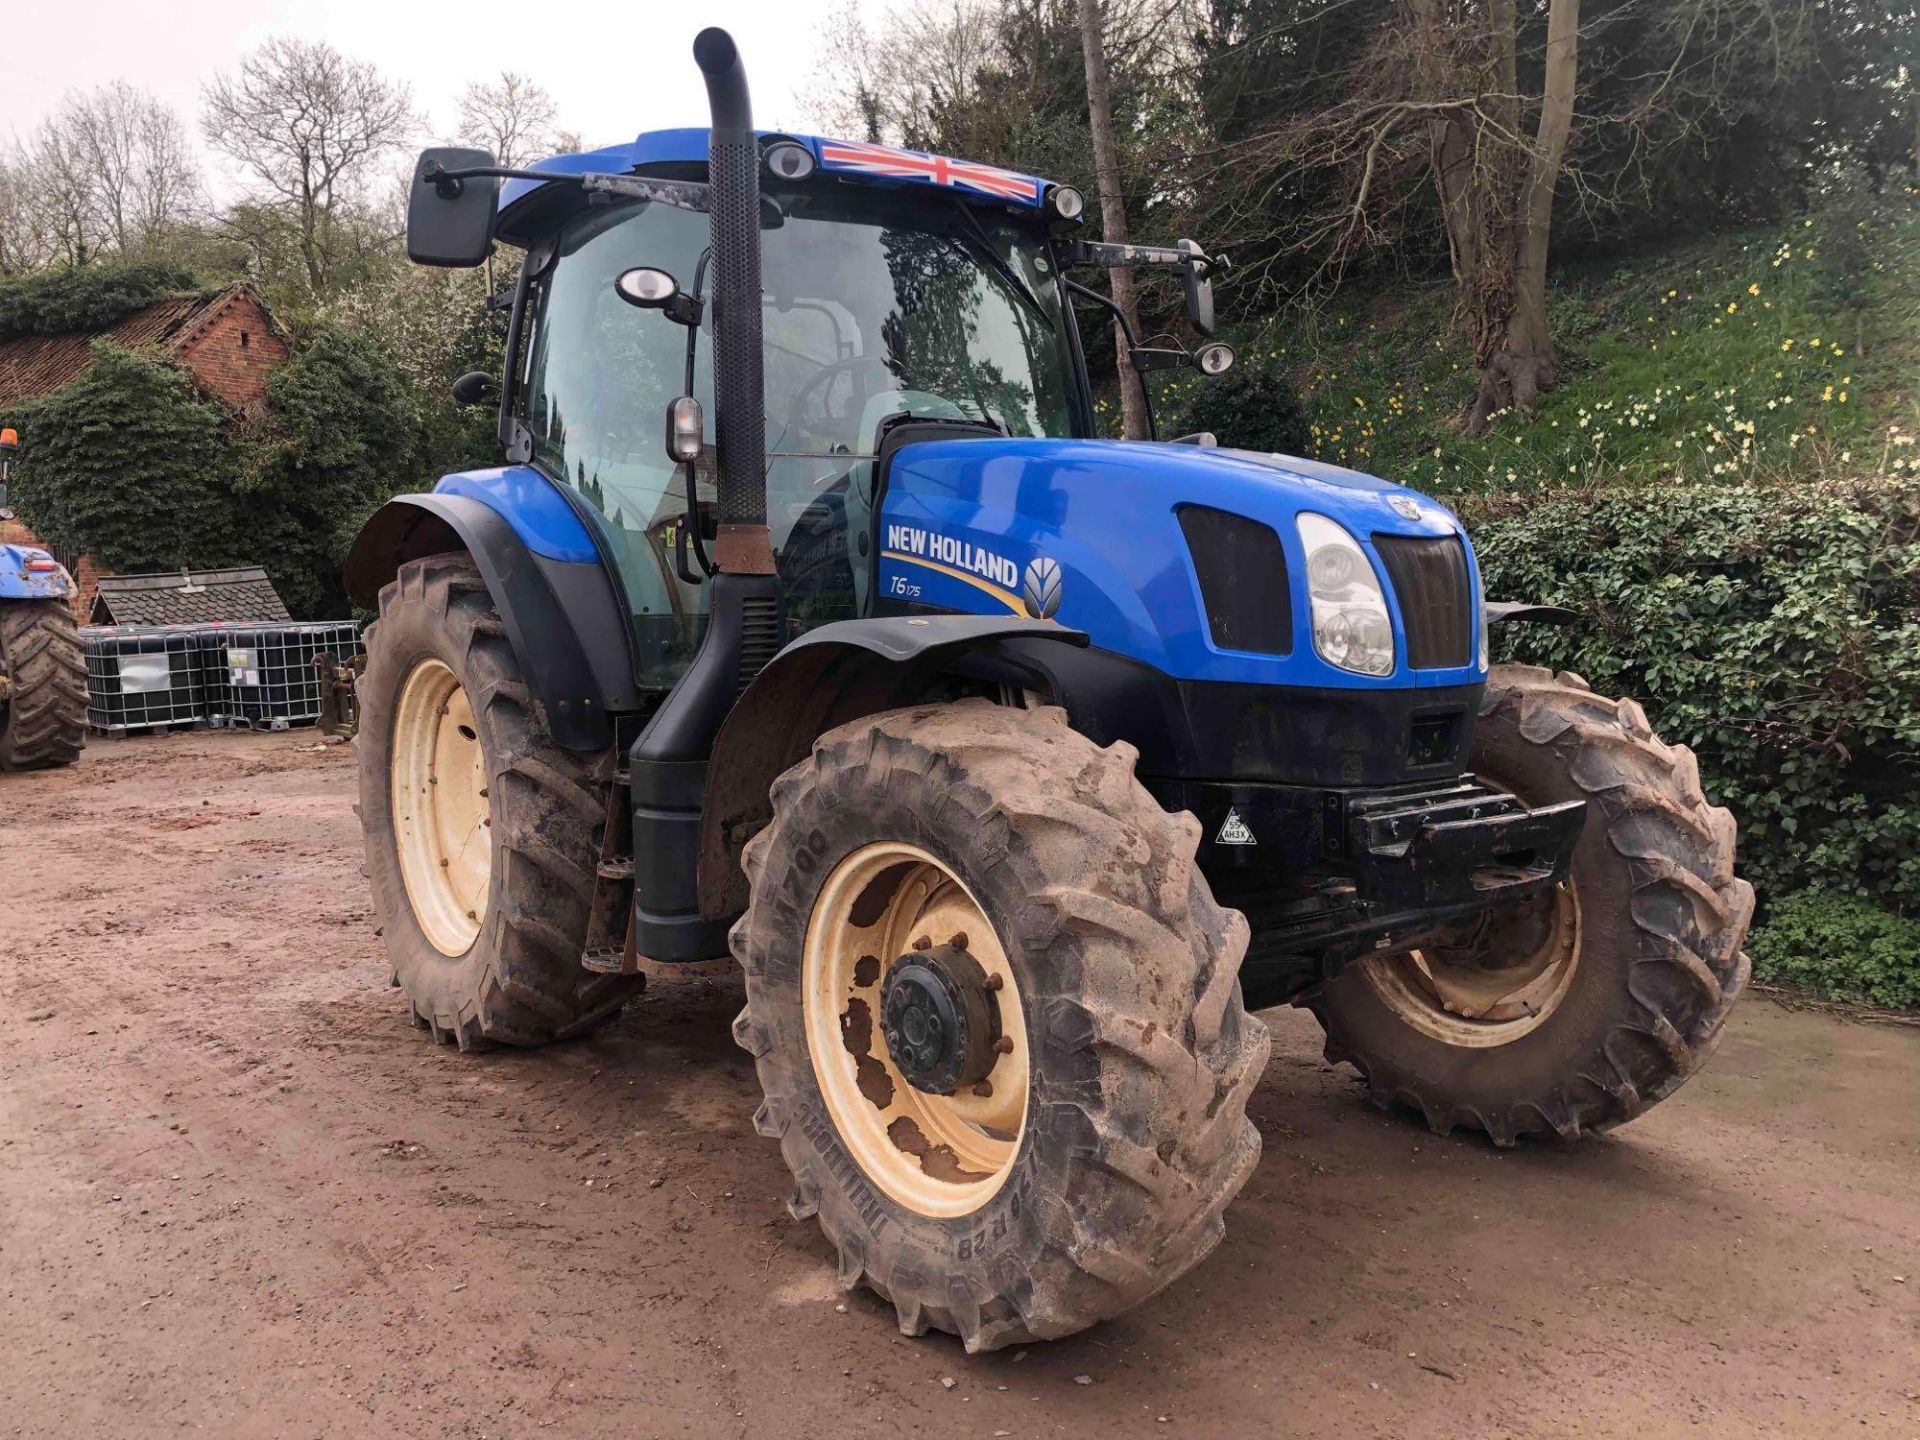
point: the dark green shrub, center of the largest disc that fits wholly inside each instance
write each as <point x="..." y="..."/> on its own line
<point x="1251" y="407"/>
<point x="342" y="427"/>
<point x="1774" y="630"/>
<point x="57" y="302"/>
<point x="342" y="434"/>
<point x="1840" y="947"/>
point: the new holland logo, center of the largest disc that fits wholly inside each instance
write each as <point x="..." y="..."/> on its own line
<point x="1403" y="506"/>
<point x="1040" y="587"/>
<point x="1235" y="831"/>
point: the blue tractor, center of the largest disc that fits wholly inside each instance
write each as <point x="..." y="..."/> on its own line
<point x="807" y="620"/>
<point x="43" y="676"/>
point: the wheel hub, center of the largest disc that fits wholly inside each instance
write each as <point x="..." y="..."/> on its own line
<point x="922" y="1062"/>
<point x="939" y="1018"/>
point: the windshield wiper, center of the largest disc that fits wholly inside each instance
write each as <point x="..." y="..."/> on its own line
<point x="982" y="244"/>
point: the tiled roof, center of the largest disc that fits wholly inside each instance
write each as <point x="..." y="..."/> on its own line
<point x="187" y="597"/>
<point x="32" y="365"/>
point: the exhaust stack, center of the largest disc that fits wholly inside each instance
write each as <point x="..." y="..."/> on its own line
<point x="742" y="546"/>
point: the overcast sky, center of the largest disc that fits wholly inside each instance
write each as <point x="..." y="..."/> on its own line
<point x="615" y="69"/>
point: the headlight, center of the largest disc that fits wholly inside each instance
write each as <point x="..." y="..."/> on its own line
<point x="1486" y="649"/>
<point x="1350" y="624"/>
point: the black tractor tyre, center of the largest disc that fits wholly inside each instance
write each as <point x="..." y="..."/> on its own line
<point x="44" y="721"/>
<point x="1142" y="1055"/>
<point x="1662" y="917"/>
<point x="521" y="981"/>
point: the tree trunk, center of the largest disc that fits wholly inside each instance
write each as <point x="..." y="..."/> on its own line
<point x="1113" y="214"/>
<point x="1515" y="347"/>
<point x="309" y="241"/>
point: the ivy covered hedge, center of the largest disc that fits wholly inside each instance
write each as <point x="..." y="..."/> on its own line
<point x="59" y="302"/>
<point x="132" y="465"/>
<point x="1775" y="630"/>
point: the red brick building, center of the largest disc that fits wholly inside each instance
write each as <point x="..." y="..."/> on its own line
<point x="226" y="340"/>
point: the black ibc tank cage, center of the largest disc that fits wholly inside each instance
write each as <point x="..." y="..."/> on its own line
<point x="266" y="675"/>
<point x="144" y="677"/>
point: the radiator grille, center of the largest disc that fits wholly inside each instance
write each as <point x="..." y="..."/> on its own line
<point x="1430" y="579"/>
<point x="1243" y="580"/>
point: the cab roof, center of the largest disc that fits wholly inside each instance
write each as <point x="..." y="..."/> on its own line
<point x="886" y="165"/>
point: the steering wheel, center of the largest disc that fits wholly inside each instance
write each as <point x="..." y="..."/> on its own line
<point x="825" y="376"/>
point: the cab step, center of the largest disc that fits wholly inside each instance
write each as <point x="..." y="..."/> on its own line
<point x="609" y="947"/>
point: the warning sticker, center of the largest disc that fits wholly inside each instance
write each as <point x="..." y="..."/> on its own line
<point x="1235" y="831"/>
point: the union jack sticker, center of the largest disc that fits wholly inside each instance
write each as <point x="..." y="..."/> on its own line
<point x="886" y="162"/>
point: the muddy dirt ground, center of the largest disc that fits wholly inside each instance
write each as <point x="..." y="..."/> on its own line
<point x="241" y="1195"/>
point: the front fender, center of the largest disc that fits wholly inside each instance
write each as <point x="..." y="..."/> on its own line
<point x="1507" y="612"/>
<point x="27" y="573"/>
<point x="564" y="619"/>
<point x="827" y="677"/>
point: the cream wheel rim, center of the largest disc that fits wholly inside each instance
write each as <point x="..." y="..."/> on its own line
<point x="1449" y="996"/>
<point x="442" y="818"/>
<point x="941" y="1156"/>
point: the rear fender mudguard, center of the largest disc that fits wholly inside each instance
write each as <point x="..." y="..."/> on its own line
<point x="827" y="677"/>
<point x="563" y="618"/>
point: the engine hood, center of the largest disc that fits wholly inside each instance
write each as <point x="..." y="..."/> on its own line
<point x="1088" y="532"/>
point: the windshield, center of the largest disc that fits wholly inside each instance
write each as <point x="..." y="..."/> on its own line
<point x="872" y="308"/>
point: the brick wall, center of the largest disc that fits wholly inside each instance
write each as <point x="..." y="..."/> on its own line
<point x="232" y="353"/>
<point x="86" y="571"/>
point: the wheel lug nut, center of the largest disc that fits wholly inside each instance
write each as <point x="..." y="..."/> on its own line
<point x="1003" y="1046"/>
<point x="923" y="943"/>
<point x="959" y="941"/>
<point x="994" y="982"/>
<point x="984" y="1089"/>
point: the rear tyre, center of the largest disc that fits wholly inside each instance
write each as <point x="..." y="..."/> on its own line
<point x="1579" y="1010"/>
<point x="43" y="721"/>
<point x="481" y="834"/>
<point x="1083" y="1160"/>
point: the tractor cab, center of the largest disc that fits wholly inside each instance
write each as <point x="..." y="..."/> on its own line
<point x="879" y="308"/>
<point x="899" y="293"/>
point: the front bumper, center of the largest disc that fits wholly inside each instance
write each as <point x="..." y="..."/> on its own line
<point x="1325" y="875"/>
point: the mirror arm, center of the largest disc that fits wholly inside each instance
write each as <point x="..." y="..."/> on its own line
<point x="1145" y="358"/>
<point x="1098" y="252"/>
<point x="1074" y="287"/>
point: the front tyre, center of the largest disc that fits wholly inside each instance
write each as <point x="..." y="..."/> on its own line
<point x="1577" y="1010"/>
<point x="996" y="1015"/>
<point x="481" y="834"/>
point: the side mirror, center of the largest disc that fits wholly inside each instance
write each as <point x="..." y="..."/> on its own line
<point x="476" y="387"/>
<point x="1213" y="359"/>
<point x="1199" y="289"/>
<point x="651" y="289"/>
<point x="449" y="220"/>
